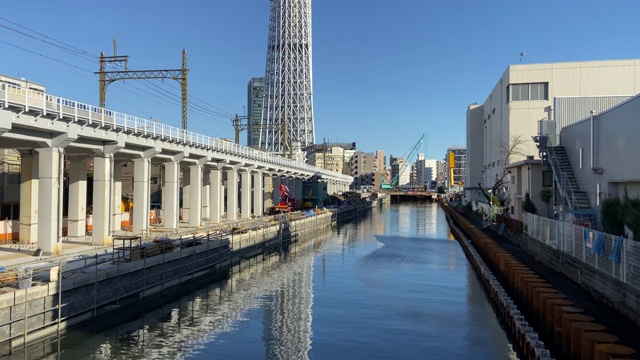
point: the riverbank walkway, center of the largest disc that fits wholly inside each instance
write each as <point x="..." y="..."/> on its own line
<point x="18" y="255"/>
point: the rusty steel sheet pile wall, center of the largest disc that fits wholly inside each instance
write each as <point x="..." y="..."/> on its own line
<point x="543" y="315"/>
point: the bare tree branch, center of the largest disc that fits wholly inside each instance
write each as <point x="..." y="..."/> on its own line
<point x="508" y="151"/>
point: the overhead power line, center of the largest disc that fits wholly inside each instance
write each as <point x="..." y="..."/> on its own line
<point x="207" y="110"/>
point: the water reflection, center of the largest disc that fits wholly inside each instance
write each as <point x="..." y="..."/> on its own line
<point x="390" y="285"/>
<point x="281" y="289"/>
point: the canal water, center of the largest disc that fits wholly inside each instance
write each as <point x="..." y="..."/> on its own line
<point x="391" y="285"/>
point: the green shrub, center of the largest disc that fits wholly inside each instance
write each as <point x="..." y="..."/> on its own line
<point x="528" y="205"/>
<point x="631" y="214"/>
<point x="611" y="216"/>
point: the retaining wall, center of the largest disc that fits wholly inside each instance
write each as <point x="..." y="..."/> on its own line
<point x="94" y="290"/>
<point x="619" y="295"/>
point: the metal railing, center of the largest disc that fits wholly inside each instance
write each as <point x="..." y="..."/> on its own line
<point x="578" y="242"/>
<point x="65" y="110"/>
<point x="566" y="190"/>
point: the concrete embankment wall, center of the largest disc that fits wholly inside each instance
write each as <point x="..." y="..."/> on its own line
<point x="347" y="213"/>
<point x="620" y="296"/>
<point x="526" y="337"/>
<point x="546" y="304"/>
<point x="93" y="290"/>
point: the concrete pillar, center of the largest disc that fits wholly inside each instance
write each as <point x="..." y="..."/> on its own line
<point x="245" y="206"/>
<point x="267" y="192"/>
<point x="186" y="193"/>
<point x="28" y="198"/>
<point x="232" y="194"/>
<point x="101" y="196"/>
<point x="48" y="183"/>
<point x="217" y="196"/>
<point x="170" y="195"/>
<point x="298" y="193"/>
<point x="206" y="195"/>
<point x="258" y="193"/>
<point x="291" y="184"/>
<point x="275" y="195"/>
<point x="116" y="221"/>
<point x="195" y="196"/>
<point x="141" y="200"/>
<point x="77" y="220"/>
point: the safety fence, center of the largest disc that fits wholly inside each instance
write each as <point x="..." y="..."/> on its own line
<point x="616" y="256"/>
<point x="70" y="110"/>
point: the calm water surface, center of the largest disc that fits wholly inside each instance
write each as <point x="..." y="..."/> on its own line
<point x="391" y="285"/>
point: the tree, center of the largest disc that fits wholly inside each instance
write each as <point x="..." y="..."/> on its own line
<point x="546" y="194"/>
<point x="528" y="205"/>
<point x="611" y="216"/>
<point x="508" y="151"/>
<point x="441" y="190"/>
<point x="631" y="214"/>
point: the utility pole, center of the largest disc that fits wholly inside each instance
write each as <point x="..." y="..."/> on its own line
<point x="108" y="77"/>
<point x="239" y="126"/>
<point x="284" y="135"/>
<point x="324" y="154"/>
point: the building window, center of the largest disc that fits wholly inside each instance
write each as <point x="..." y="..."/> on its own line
<point x="530" y="91"/>
<point x="154" y="181"/>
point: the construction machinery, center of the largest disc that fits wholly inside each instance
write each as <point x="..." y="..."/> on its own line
<point x="409" y="159"/>
<point x="287" y="202"/>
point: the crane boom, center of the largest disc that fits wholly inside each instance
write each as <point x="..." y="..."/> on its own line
<point x="403" y="167"/>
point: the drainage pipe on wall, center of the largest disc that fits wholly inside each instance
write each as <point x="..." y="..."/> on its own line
<point x="593" y="150"/>
<point x="60" y="195"/>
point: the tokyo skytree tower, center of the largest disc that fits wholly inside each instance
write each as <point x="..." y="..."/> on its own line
<point x="287" y="113"/>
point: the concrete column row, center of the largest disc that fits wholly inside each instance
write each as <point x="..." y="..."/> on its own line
<point x="204" y="195"/>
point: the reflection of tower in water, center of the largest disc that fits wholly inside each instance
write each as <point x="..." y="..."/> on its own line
<point x="287" y="319"/>
<point x="282" y="288"/>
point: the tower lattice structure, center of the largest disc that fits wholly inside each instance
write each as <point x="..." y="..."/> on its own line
<point x="287" y="115"/>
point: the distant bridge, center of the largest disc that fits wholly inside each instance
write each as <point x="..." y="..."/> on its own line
<point x="412" y="196"/>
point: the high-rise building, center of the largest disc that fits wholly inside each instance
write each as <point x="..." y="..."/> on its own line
<point x="287" y="116"/>
<point x="456" y="165"/>
<point x="361" y="163"/>
<point x="380" y="161"/>
<point x="404" y="177"/>
<point x="255" y="101"/>
<point x="332" y="156"/>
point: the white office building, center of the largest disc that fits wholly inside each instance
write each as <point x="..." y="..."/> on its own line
<point x="522" y="99"/>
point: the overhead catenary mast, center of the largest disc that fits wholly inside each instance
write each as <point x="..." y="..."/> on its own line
<point x="288" y="102"/>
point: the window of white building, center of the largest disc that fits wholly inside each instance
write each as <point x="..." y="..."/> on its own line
<point x="529" y="91"/>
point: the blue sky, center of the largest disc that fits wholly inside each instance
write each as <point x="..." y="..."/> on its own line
<point x="384" y="72"/>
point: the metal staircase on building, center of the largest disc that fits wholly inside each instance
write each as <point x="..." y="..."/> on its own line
<point x="577" y="200"/>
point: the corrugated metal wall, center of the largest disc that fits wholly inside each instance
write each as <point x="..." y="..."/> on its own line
<point x="569" y="110"/>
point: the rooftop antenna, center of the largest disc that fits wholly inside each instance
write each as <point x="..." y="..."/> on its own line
<point x="521" y="56"/>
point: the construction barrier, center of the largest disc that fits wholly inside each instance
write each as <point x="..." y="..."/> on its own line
<point x="9" y="231"/>
<point x="125" y="222"/>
